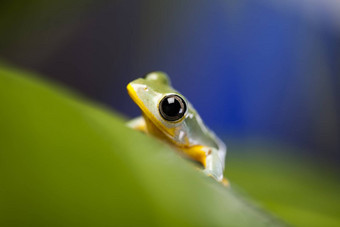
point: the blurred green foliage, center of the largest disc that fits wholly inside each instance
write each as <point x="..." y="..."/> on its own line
<point x="67" y="162"/>
<point x="298" y="189"/>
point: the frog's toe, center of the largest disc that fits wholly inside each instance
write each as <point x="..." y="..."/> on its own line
<point x="211" y="173"/>
<point x="225" y="182"/>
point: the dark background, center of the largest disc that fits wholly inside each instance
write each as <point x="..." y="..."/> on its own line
<point x="253" y="70"/>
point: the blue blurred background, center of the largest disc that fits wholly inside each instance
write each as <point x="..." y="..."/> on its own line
<point x="252" y="69"/>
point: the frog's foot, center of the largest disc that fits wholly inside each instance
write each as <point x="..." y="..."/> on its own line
<point x="224" y="181"/>
<point x="213" y="165"/>
<point x="137" y="123"/>
<point x="213" y="174"/>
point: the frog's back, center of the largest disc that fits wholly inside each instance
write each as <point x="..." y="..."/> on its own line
<point x="197" y="132"/>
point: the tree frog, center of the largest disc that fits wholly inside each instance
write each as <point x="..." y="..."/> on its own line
<point x="168" y="115"/>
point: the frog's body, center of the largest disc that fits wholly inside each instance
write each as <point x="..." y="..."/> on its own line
<point x="166" y="114"/>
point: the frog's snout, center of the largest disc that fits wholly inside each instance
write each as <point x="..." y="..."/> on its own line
<point x="136" y="91"/>
<point x="134" y="88"/>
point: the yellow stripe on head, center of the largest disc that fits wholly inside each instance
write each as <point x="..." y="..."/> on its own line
<point x="170" y="132"/>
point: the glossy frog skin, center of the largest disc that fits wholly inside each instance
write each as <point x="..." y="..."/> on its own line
<point x="166" y="114"/>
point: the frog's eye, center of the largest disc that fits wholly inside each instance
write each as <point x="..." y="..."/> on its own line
<point x="172" y="107"/>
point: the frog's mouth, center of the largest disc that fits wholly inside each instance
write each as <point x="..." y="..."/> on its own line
<point x="170" y="132"/>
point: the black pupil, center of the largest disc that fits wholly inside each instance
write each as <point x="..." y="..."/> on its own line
<point x="172" y="108"/>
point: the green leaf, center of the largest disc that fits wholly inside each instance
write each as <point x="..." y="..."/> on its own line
<point x="65" y="161"/>
<point x="300" y="190"/>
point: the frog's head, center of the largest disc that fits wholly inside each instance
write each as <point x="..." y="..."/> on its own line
<point x="159" y="102"/>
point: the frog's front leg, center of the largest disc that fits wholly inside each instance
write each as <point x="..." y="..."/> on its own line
<point x="214" y="166"/>
<point x="137" y="123"/>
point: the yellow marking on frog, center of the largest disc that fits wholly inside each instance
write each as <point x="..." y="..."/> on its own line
<point x="134" y="96"/>
<point x="225" y="182"/>
<point x="197" y="152"/>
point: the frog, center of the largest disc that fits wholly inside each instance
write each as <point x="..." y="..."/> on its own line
<point x="170" y="117"/>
